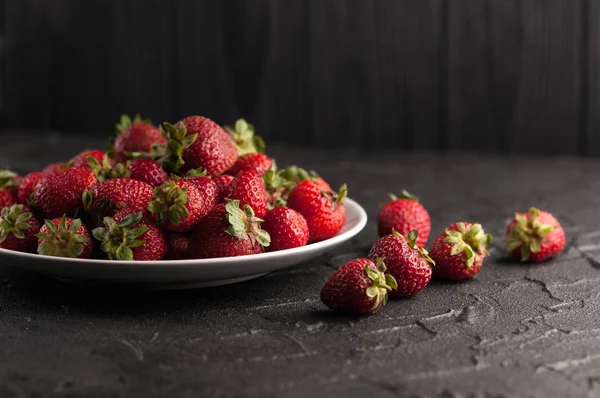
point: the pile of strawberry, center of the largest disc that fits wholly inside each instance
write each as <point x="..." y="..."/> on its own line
<point x="185" y="191"/>
<point x="399" y="265"/>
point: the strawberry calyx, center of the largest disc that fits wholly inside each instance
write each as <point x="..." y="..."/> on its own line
<point x="13" y="221"/>
<point x="382" y="283"/>
<point x="168" y="203"/>
<point x="412" y="243"/>
<point x="199" y="172"/>
<point x="243" y="223"/>
<point x="337" y="198"/>
<point x="404" y="194"/>
<point x="95" y="210"/>
<point x="62" y="241"/>
<point x="528" y="233"/>
<point x="177" y="142"/>
<point x="244" y="138"/>
<point x="118" y="239"/>
<point x="8" y="179"/>
<point x="106" y="170"/>
<point x="469" y="240"/>
<point x="126" y="121"/>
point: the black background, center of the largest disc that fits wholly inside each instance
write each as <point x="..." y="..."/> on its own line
<point x="485" y="75"/>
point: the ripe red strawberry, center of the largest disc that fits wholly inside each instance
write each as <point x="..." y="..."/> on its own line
<point x="111" y="196"/>
<point x="18" y="227"/>
<point x="323" y="210"/>
<point x="200" y="143"/>
<point x="228" y="231"/>
<point x="279" y="183"/>
<point x="535" y="236"/>
<point x="408" y="263"/>
<point x="244" y="138"/>
<point x="147" y="171"/>
<point x="296" y="175"/>
<point x="459" y="251"/>
<point x="131" y="236"/>
<point x="286" y="227"/>
<point x="250" y="190"/>
<point x="136" y="137"/>
<point x="60" y="193"/>
<point x="55" y="168"/>
<point x="28" y="185"/>
<point x="9" y="182"/>
<point x="358" y="288"/>
<point x="178" y="205"/>
<point x="82" y="160"/>
<point x="206" y="185"/>
<point x="177" y="246"/>
<point x="258" y="162"/>
<point x="404" y="214"/>
<point x="64" y="237"/>
<point x="223" y="182"/>
<point x="7" y="199"/>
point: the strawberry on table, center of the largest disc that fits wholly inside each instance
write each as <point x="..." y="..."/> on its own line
<point x="358" y="287"/>
<point x="257" y="162"/>
<point x="147" y="171"/>
<point x="64" y="237"/>
<point x="229" y="231"/>
<point x="131" y="237"/>
<point x="535" y="236"/>
<point x="136" y="137"/>
<point x="403" y="214"/>
<point x="198" y="142"/>
<point x="408" y="263"/>
<point x="244" y="138"/>
<point x="323" y="210"/>
<point x="28" y="185"/>
<point x="286" y="227"/>
<point x="60" y="193"/>
<point x="459" y="251"/>
<point x="18" y="227"/>
<point x="249" y="189"/>
<point x="178" y="205"/>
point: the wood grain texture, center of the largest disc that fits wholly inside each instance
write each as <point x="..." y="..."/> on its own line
<point x="2" y="60"/>
<point x="490" y="75"/>
<point x="548" y="102"/>
<point x="591" y="146"/>
<point x="485" y="42"/>
<point x="512" y="82"/>
<point x="375" y="74"/>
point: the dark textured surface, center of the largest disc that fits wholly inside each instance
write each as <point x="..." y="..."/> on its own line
<point x="495" y="75"/>
<point x="514" y="331"/>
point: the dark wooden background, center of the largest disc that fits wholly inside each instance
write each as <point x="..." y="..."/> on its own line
<point x="488" y="75"/>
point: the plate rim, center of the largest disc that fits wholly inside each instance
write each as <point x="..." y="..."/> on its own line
<point x="353" y="231"/>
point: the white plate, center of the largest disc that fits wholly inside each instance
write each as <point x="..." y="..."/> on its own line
<point x="184" y="274"/>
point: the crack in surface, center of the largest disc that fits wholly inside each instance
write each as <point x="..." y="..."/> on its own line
<point x="559" y="366"/>
<point x="544" y="287"/>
